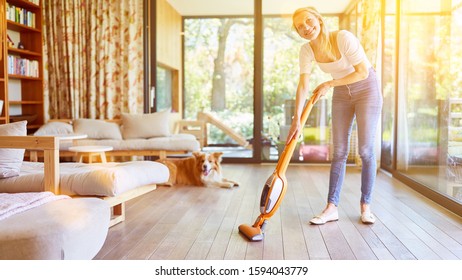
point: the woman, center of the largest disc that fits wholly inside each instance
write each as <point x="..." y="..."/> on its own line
<point x="356" y="95"/>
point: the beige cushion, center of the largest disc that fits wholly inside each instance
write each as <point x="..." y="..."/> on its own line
<point x="54" y="128"/>
<point x="97" y="129"/>
<point x="175" y="142"/>
<point x="145" y="125"/>
<point x="11" y="159"/>
<point x="102" y="179"/>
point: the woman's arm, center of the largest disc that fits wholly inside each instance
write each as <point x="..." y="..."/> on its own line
<point x="361" y="72"/>
<point x="300" y="97"/>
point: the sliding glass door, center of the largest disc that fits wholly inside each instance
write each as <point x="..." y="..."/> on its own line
<point x="429" y="143"/>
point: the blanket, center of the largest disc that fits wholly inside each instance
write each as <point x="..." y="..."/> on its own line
<point x="14" y="203"/>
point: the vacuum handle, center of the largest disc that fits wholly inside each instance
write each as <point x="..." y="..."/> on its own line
<point x="288" y="151"/>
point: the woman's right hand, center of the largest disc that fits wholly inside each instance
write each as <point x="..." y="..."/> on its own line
<point x="294" y="129"/>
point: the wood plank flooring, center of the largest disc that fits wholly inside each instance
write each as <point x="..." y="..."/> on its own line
<point x="182" y="222"/>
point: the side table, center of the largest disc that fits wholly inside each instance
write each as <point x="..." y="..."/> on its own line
<point x="90" y="151"/>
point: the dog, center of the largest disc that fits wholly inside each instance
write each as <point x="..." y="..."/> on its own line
<point x="201" y="169"/>
<point x="212" y="175"/>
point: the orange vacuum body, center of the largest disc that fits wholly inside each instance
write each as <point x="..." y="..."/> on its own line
<point x="275" y="187"/>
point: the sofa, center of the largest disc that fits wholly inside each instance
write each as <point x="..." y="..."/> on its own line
<point x="132" y="135"/>
<point x="44" y="225"/>
<point x="66" y="229"/>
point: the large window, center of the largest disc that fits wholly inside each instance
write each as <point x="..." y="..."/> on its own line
<point x="219" y="77"/>
<point x="449" y="85"/>
<point x="429" y="98"/>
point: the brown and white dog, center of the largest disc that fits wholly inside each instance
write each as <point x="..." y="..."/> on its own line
<point x="201" y="169"/>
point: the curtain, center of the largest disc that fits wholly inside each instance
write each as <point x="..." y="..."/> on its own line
<point x="93" y="58"/>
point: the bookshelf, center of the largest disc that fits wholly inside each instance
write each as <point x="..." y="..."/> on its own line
<point x="21" y="71"/>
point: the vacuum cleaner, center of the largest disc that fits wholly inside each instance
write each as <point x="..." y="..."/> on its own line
<point x="275" y="187"/>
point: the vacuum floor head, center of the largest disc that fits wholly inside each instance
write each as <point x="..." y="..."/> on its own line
<point x="252" y="233"/>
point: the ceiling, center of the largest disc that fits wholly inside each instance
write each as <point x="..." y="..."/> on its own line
<point x="246" y="7"/>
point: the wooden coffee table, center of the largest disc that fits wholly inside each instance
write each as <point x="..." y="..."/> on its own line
<point x="90" y="151"/>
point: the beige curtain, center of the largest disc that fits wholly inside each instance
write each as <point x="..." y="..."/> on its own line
<point x="93" y="57"/>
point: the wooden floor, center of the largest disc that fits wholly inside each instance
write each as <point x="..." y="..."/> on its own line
<point x="202" y="223"/>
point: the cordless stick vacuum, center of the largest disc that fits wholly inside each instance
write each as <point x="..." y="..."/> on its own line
<point x="276" y="185"/>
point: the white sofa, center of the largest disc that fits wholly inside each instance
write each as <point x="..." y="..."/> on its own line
<point x="38" y="226"/>
<point x="133" y="135"/>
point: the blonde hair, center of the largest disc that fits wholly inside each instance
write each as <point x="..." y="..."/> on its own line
<point x="326" y="44"/>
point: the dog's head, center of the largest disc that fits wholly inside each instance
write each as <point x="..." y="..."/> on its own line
<point x="206" y="162"/>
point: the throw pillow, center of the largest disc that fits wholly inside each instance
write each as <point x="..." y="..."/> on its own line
<point x="11" y="159"/>
<point x="54" y="128"/>
<point x="145" y="125"/>
<point x="97" y="129"/>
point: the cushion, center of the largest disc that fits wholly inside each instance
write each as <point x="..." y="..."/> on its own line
<point x="145" y="125"/>
<point x="54" y="128"/>
<point x="97" y="129"/>
<point x="11" y="159"/>
<point x="174" y="142"/>
<point x="102" y="179"/>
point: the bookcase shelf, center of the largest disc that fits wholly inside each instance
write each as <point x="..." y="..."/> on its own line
<point x="21" y="24"/>
<point x="24" y="53"/>
<point x="21" y="77"/>
<point x="22" y="102"/>
<point x="21" y="27"/>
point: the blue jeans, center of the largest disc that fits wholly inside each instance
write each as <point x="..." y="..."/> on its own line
<point x="361" y="100"/>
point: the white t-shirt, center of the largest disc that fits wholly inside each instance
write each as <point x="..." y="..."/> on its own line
<point x="351" y="51"/>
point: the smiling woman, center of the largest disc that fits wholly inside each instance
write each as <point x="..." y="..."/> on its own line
<point x="307" y="25"/>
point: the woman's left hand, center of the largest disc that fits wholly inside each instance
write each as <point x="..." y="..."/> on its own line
<point x="321" y="90"/>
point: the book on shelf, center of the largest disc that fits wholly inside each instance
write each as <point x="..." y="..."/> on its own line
<point x="22" y="66"/>
<point x="20" y="15"/>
